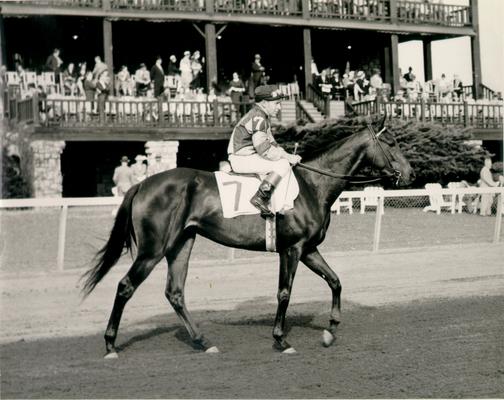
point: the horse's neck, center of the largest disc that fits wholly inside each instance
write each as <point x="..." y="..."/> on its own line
<point x="342" y="160"/>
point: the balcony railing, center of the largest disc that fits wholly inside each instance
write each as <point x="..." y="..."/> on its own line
<point x="408" y="12"/>
<point x="480" y="115"/>
<point x="415" y="12"/>
<point x="140" y="113"/>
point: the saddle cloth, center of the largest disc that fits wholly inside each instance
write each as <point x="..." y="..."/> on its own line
<point x="236" y="191"/>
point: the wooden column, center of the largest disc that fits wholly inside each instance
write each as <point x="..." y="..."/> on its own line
<point x="394" y="62"/>
<point x="107" y="46"/>
<point x="427" y="59"/>
<point x="476" y="51"/>
<point x="3" y="49"/>
<point x="387" y="63"/>
<point x="211" y="55"/>
<point x="307" y="53"/>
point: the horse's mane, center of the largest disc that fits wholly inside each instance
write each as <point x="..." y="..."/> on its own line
<point x="316" y="138"/>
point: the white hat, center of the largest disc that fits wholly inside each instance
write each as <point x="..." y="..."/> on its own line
<point x="139" y="157"/>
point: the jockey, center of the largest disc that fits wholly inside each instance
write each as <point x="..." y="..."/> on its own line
<point x="252" y="148"/>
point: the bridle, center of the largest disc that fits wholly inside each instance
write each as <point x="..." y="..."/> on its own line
<point x="395" y="175"/>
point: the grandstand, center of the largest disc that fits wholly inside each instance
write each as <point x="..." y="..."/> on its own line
<point x="88" y="137"/>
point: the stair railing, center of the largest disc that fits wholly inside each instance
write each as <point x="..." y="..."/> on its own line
<point x="302" y="113"/>
<point x="320" y="100"/>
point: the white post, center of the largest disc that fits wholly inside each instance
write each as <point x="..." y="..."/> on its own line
<point x="498" y="219"/>
<point x="378" y="219"/>
<point x="231" y="254"/>
<point x="62" y="237"/>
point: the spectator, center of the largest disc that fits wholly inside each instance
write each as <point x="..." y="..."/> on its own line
<point x="139" y="169"/>
<point x="81" y="77"/>
<point x="413" y="88"/>
<point x="53" y="64"/>
<point x="324" y="83"/>
<point x="486" y="180"/>
<point x="458" y="87"/>
<point x="314" y="70"/>
<point x="124" y="82"/>
<point x="142" y="80"/>
<point x="196" y="67"/>
<point x="236" y="89"/>
<point x="123" y="177"/>
<point x="376" y="81"/>
<point x="409" y="76"/>
<point x="99" y="67"/>
<point x="89" y="86"/>
<point x="22" y="75"/>
<point x="444" y="88"/>
<point x="256" y="73"/>
<point x="336" y="85"/>
<point x="186" y="76"/>
<point x="172" y="67"/>
<point x="361" y="86"/>
<point x="69" y="80"/>
<point x="18" y="60"/>
<point x="102" y="92"/>
<point x="157" y="75"/>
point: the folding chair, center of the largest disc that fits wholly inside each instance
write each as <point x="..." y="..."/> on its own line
<point x="437" y="202"/>
<point x="370" y="198"/>
<point x="457" y="199"/>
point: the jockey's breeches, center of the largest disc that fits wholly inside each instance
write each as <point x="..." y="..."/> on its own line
<point x="255" y="164"/>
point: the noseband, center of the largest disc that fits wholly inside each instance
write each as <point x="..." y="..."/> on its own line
<point x="396" y="174"/>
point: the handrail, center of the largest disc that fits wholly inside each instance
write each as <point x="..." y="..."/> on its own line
<point x="302" y="113"/>
<point x="485" y="91"/>
<point x="403" y="11"/>
<point x="319" y="100"/>
<point x="467" y="114"/>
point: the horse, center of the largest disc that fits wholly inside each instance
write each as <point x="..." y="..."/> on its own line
<point x="163" y="214"/>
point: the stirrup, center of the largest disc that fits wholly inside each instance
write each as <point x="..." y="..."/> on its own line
<point x="259" y="204"/>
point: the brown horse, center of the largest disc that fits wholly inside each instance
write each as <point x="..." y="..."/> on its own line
<point x="164" y="213"/>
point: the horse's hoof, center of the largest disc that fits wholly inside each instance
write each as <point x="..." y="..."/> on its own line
<point x="290" y="350"/>
<point x="212" y="349"/>
<point x="327" y="338"/>
<point x="111" y="356"/>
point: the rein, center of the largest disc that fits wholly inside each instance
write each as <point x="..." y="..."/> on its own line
<point x="360" y="179"/>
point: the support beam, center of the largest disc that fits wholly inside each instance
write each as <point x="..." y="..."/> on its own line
<point x="107" y="46"/>
<point x="427" y="58"/>
<point x="211" y="55"/>
<point x="307" y="53"/>
<point x="394" y="60"/>
<point x="3" y="49"/>
<point x="476" y="51"/>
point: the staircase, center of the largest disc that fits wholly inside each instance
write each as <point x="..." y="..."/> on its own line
<point x="314" y="113"/>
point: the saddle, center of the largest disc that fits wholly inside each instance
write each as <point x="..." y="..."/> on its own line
<point x="236" y="190"/>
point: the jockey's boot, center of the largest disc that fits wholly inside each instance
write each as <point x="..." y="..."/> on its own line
<point x="263" y="195"/>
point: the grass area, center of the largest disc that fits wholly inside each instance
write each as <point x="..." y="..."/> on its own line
<point x="29" y="238"/>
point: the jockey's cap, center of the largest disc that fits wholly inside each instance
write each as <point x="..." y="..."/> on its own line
<point x="268" y="92"/>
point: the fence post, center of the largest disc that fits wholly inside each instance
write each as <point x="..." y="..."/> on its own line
<point x="466" y="114"/>
<point x="422" y="110"/>
<point x="216" y="113"/>
<point x="498" y="219"/>
<point x="160" y="111"/>
<point x="62" y="237"/>
<point x="378" y="219"/>
<point x="231" y="254"/>
<point x="35" y="109"/>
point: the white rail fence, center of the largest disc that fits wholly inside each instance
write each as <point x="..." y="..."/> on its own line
<point x="402" y="211"/>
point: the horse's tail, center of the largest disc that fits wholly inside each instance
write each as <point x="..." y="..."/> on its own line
<point x="120" y="238"/>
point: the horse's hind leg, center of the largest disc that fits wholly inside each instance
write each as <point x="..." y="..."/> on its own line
<point x="178" y="261"/>
<point x="139" y="271"/>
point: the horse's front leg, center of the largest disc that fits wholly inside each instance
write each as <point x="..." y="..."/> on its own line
<point x="289" y="260"/>
<point x="317" y="264"/>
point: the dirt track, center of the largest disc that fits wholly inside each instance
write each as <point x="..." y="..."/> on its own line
<point x="416" y="324"/>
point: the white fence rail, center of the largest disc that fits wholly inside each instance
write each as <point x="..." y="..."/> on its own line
<point x="453" y="201"/>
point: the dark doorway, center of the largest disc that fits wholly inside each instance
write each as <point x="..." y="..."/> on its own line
<point x="202" y="154"/>
<point x="88" y="167"/>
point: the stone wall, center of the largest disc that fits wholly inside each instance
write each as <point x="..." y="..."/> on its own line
<point x="47" y="180"/>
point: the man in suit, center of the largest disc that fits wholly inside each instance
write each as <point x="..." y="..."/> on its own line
<point x="256" y="73"/>
<point x="157" y="76"/>
<point x="53" y="64"/>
